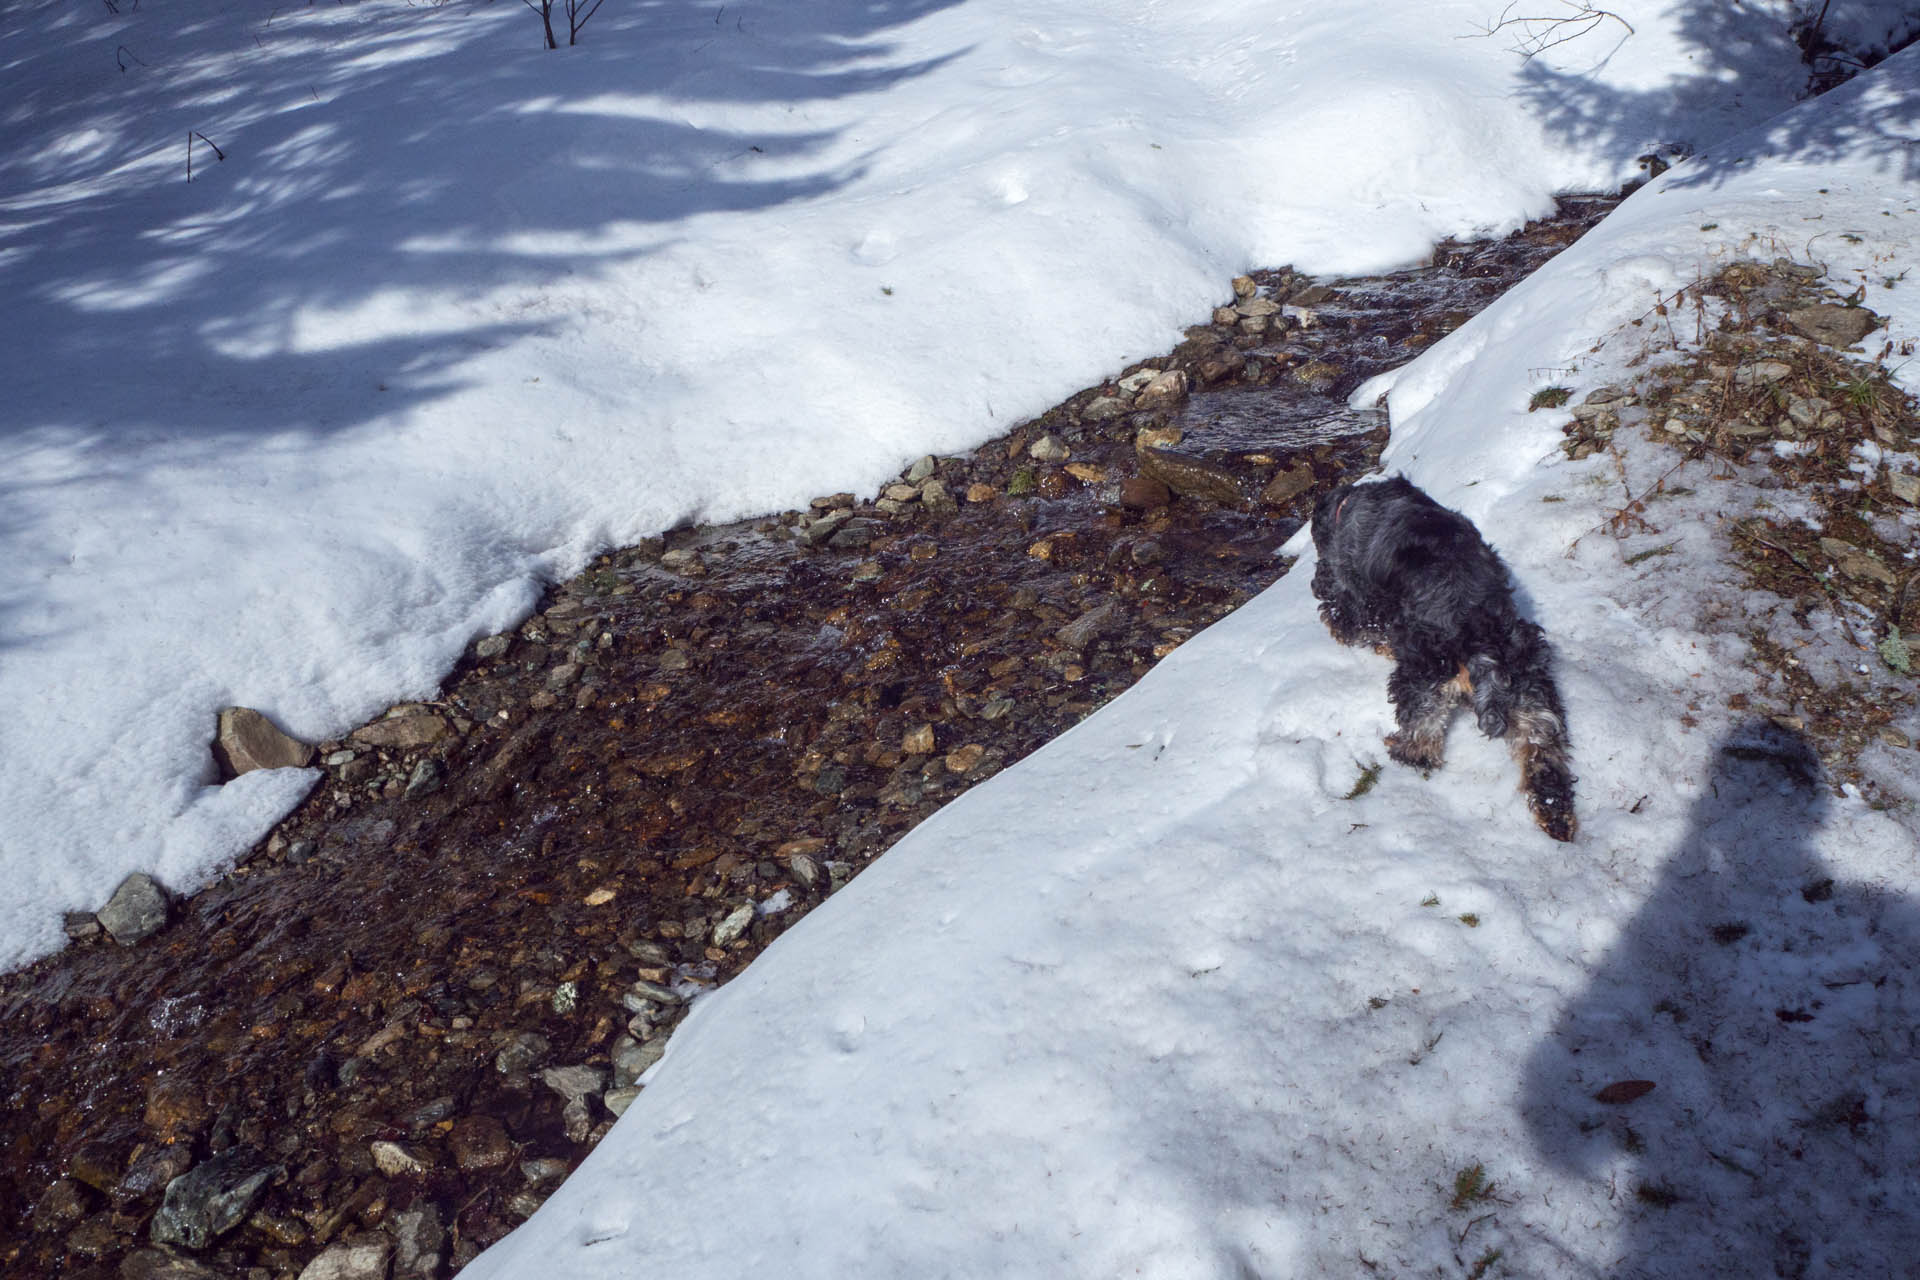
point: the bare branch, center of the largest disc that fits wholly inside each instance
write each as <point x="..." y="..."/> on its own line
<point x="1536" y="33"/>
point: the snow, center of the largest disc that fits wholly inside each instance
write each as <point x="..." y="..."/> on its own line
<point x="454" y="313"/>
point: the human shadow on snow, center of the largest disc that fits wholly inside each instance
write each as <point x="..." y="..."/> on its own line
<point x="1774" y="1011"/>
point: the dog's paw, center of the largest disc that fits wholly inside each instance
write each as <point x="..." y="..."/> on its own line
<point x="1412" y="753"/>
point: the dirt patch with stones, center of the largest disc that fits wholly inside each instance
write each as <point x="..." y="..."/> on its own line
<point x="380" y="1042"/>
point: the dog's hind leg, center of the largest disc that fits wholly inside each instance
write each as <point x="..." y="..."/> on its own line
<point x="1538" y="737"/>
<point x="1424" y="697"/>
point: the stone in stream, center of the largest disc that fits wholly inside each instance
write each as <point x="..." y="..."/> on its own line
<point x="212" y="1199"/>
<point x="1192" y="477"/>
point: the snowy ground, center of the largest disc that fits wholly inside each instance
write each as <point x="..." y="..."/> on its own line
<point x="1163" y="1001"/>
<point x="454" y="312"/>
<point x="1160" y="1000"/>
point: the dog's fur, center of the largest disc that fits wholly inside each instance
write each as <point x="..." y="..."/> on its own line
<point x="1400" y="572"/>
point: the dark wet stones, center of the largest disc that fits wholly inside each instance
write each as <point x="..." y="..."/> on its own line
<point x="364" y="1258"/>
<point x="1289" y="484"/>
<point x="419" y="1239"/>
<point x="480" y="1142"/>
<point x="1192" y="477"/>
<point x="137" y="910"/>
<point x="522" y="1053"/>
<point x="403" y="731"/>
<point x="212" y="1199"/>
<point x="245" y="740"/>
<point x="158" y="1264"/>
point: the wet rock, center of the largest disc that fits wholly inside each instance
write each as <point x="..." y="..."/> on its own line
<point x="853" y="535"/>
<point x="917" y="741"/>
<point x="419" y="1237"/>
<point x="364" y="1258"/>
<point x="575" y="1082"/>
<point x="151" y="1172"/>
<point x="1192" y="477"/>
<point x="684" y="561"/>
<point x="425" y="778"/>
<point x="632" y="1057"/>
<point x="1105" y="409"/>
<point x="1048" y="449"/>
<point x="397" y="1159"/>
<point x="818" y="532"/>
<point x="245" y="740"/>
<point x="1319" y="376"/>
<point x="137" y="910"/>
<point x="158" y="1264"/>
<point x="1165" y="391"/>
<point x="492" y="646"/>
<point x="981" y="493"/>
<point x="1833" y="325"/>
<point x="81" y="926"/>
<point x="936" y="499"/>
<point x="735" y="924"/>
<point x="1157" y="438"/>
<point x="921" y="470"/>
<point x="207" y="1202"/>
<point x="479" y="1142"/>
<point x="1144" y="493"/>
<point x="805" y="870"/>
<point x="523" y="1052"/>
<point x="403" y="732"/>
<point x="618" y="1100"/>
<point x="963" y="759"/>
<point x="1288" y="485"/>
<point x="1256" y="306"/>
<point x="543" y="1171"/>
<point x="1082" y="631"/>
<point x="60" y="1206"/>
<point x="1313" y="295"/>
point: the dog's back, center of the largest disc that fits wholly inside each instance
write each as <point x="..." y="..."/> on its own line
<point x="1401" y="572"/>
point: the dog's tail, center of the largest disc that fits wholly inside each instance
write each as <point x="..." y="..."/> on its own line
<point x="1514" y="697"/>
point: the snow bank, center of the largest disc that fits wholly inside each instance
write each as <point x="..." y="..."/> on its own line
<point x="1164" y="1000"/>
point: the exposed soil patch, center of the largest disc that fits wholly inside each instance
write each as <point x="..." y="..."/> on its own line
<point x="412" y="1010"/>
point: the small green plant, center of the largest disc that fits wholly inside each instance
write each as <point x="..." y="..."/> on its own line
<point x="1470" y="1186"/>
<point x="1369" y="775"/>
<point x="1549" y="398"/>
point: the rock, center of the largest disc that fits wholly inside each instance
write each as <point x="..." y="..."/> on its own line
<point x="425" y="778"/>
<point x="1144" y="493"/>
<point x="523" y="1052"/>
<point x="159" y="1264"/>
<point x="824" y="528"/>
<point x="684" y="561"/>
<point x="618" y="1100"/>
<point x="981" y="493"/>
<point x="1192" y="477"/>
<point x="1225" y="316"/>
<point x="805" y="870"/>
<point x="1761" y="373"/>
<point x="1250" y="307"/>
<point x="1048" y="449"/>
<point x="480" y="1142"/>
<point x="1169" y="389"/>
<point x="418" y="1237"/>
<point x="1157" y="438"/>
<point x="900" y="491"/>
<point x="206" y="1202"/>
<point x="1313" y="295"/>
<point x="492" y="646"/>
<point x="397" y="1160"/>
<point x="543" y="1170"/>
<point x="245" y="740"/>
<point x="963" y="759"/>
<point x="1905" y="487"/>
<point x="575" y="1082"/>
<point x="403" y="732"/>
<point x="60" y="1206"/>
<point x="936" y="499"/>
<point x="733" y="925"/>
<point x="853" y="535"/>
<point x="1833" y="325"/>
<point x="1105" y="409"/>
<point x="1856" y="563"/>
<point x="1318" y="376"/>
<point x="1245" y="286"/>
<point x="653" y="992"/>
<point x="137" y="910"/>
<point x="1082" y="631"/>
<point x="364" y="1258"/>
<point x="1608" y="395"/>
<point x="576" y="1118"/>
<point x="80" y="925"/>
<point x="152" y="1170"/>
<point x="1288" y="485"/>
<point x="1086" y="472"/>
<point x="921" y="470"/>
<point x="632" y="1057"/>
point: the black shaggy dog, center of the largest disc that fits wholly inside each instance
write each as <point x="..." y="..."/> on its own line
<point x="1402" y="573"/>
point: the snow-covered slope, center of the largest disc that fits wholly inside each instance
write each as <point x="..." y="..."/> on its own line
<point x="453" y="312"/>
<point x="1164" y="1001"/>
